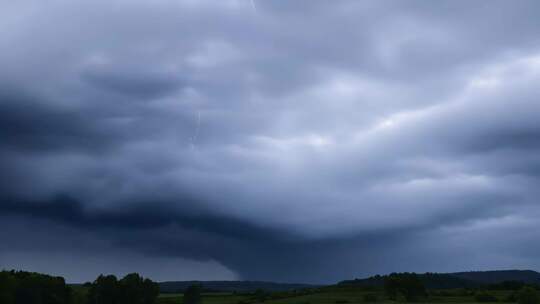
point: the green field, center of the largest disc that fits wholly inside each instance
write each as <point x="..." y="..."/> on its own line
<point x="337" y="296"/>
<point x="213" y="298"/>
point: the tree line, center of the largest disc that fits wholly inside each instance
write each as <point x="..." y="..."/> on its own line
<point x="21" y="287"/>
<point x="410" y="288"/>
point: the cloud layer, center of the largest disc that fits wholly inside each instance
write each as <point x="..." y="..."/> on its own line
<point x="299" y="141"/>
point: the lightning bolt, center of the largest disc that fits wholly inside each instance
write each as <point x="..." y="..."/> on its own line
<point x="198" y="125"/>
<point x="194" y="137"/>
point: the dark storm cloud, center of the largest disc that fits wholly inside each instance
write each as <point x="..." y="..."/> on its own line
<point x="27" y="123"/>
<point x="301" y="141"/>
<point x="134" y="216"/>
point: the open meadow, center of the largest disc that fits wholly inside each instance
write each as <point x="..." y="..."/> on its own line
<point x="334" y="295"/>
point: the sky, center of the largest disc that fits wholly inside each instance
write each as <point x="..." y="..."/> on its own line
<point x="292" y="141"/>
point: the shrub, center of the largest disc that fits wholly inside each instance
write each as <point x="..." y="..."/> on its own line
<point x="528" y="295"/>
<point x="192" y="295"/>
<point x="483" y="297"/>
<point x="260" y="295"/>
<point x="408" y="285"/>
<point x="512" y="297"/>
<point x="370" y="298"/>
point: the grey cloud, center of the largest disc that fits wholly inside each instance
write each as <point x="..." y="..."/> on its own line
<point x="132" y="83"/>
<point x="267" y="143"/>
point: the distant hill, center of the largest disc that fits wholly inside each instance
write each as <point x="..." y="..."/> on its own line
<point x="469" y="279"/>
<point x="498" y="276"/>
<point x="230" y="286"/>
<point x="430" y="280"/>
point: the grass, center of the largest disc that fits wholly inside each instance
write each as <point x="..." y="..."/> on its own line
<point x="329" y="296"/>
<point x="209" y="298"/>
